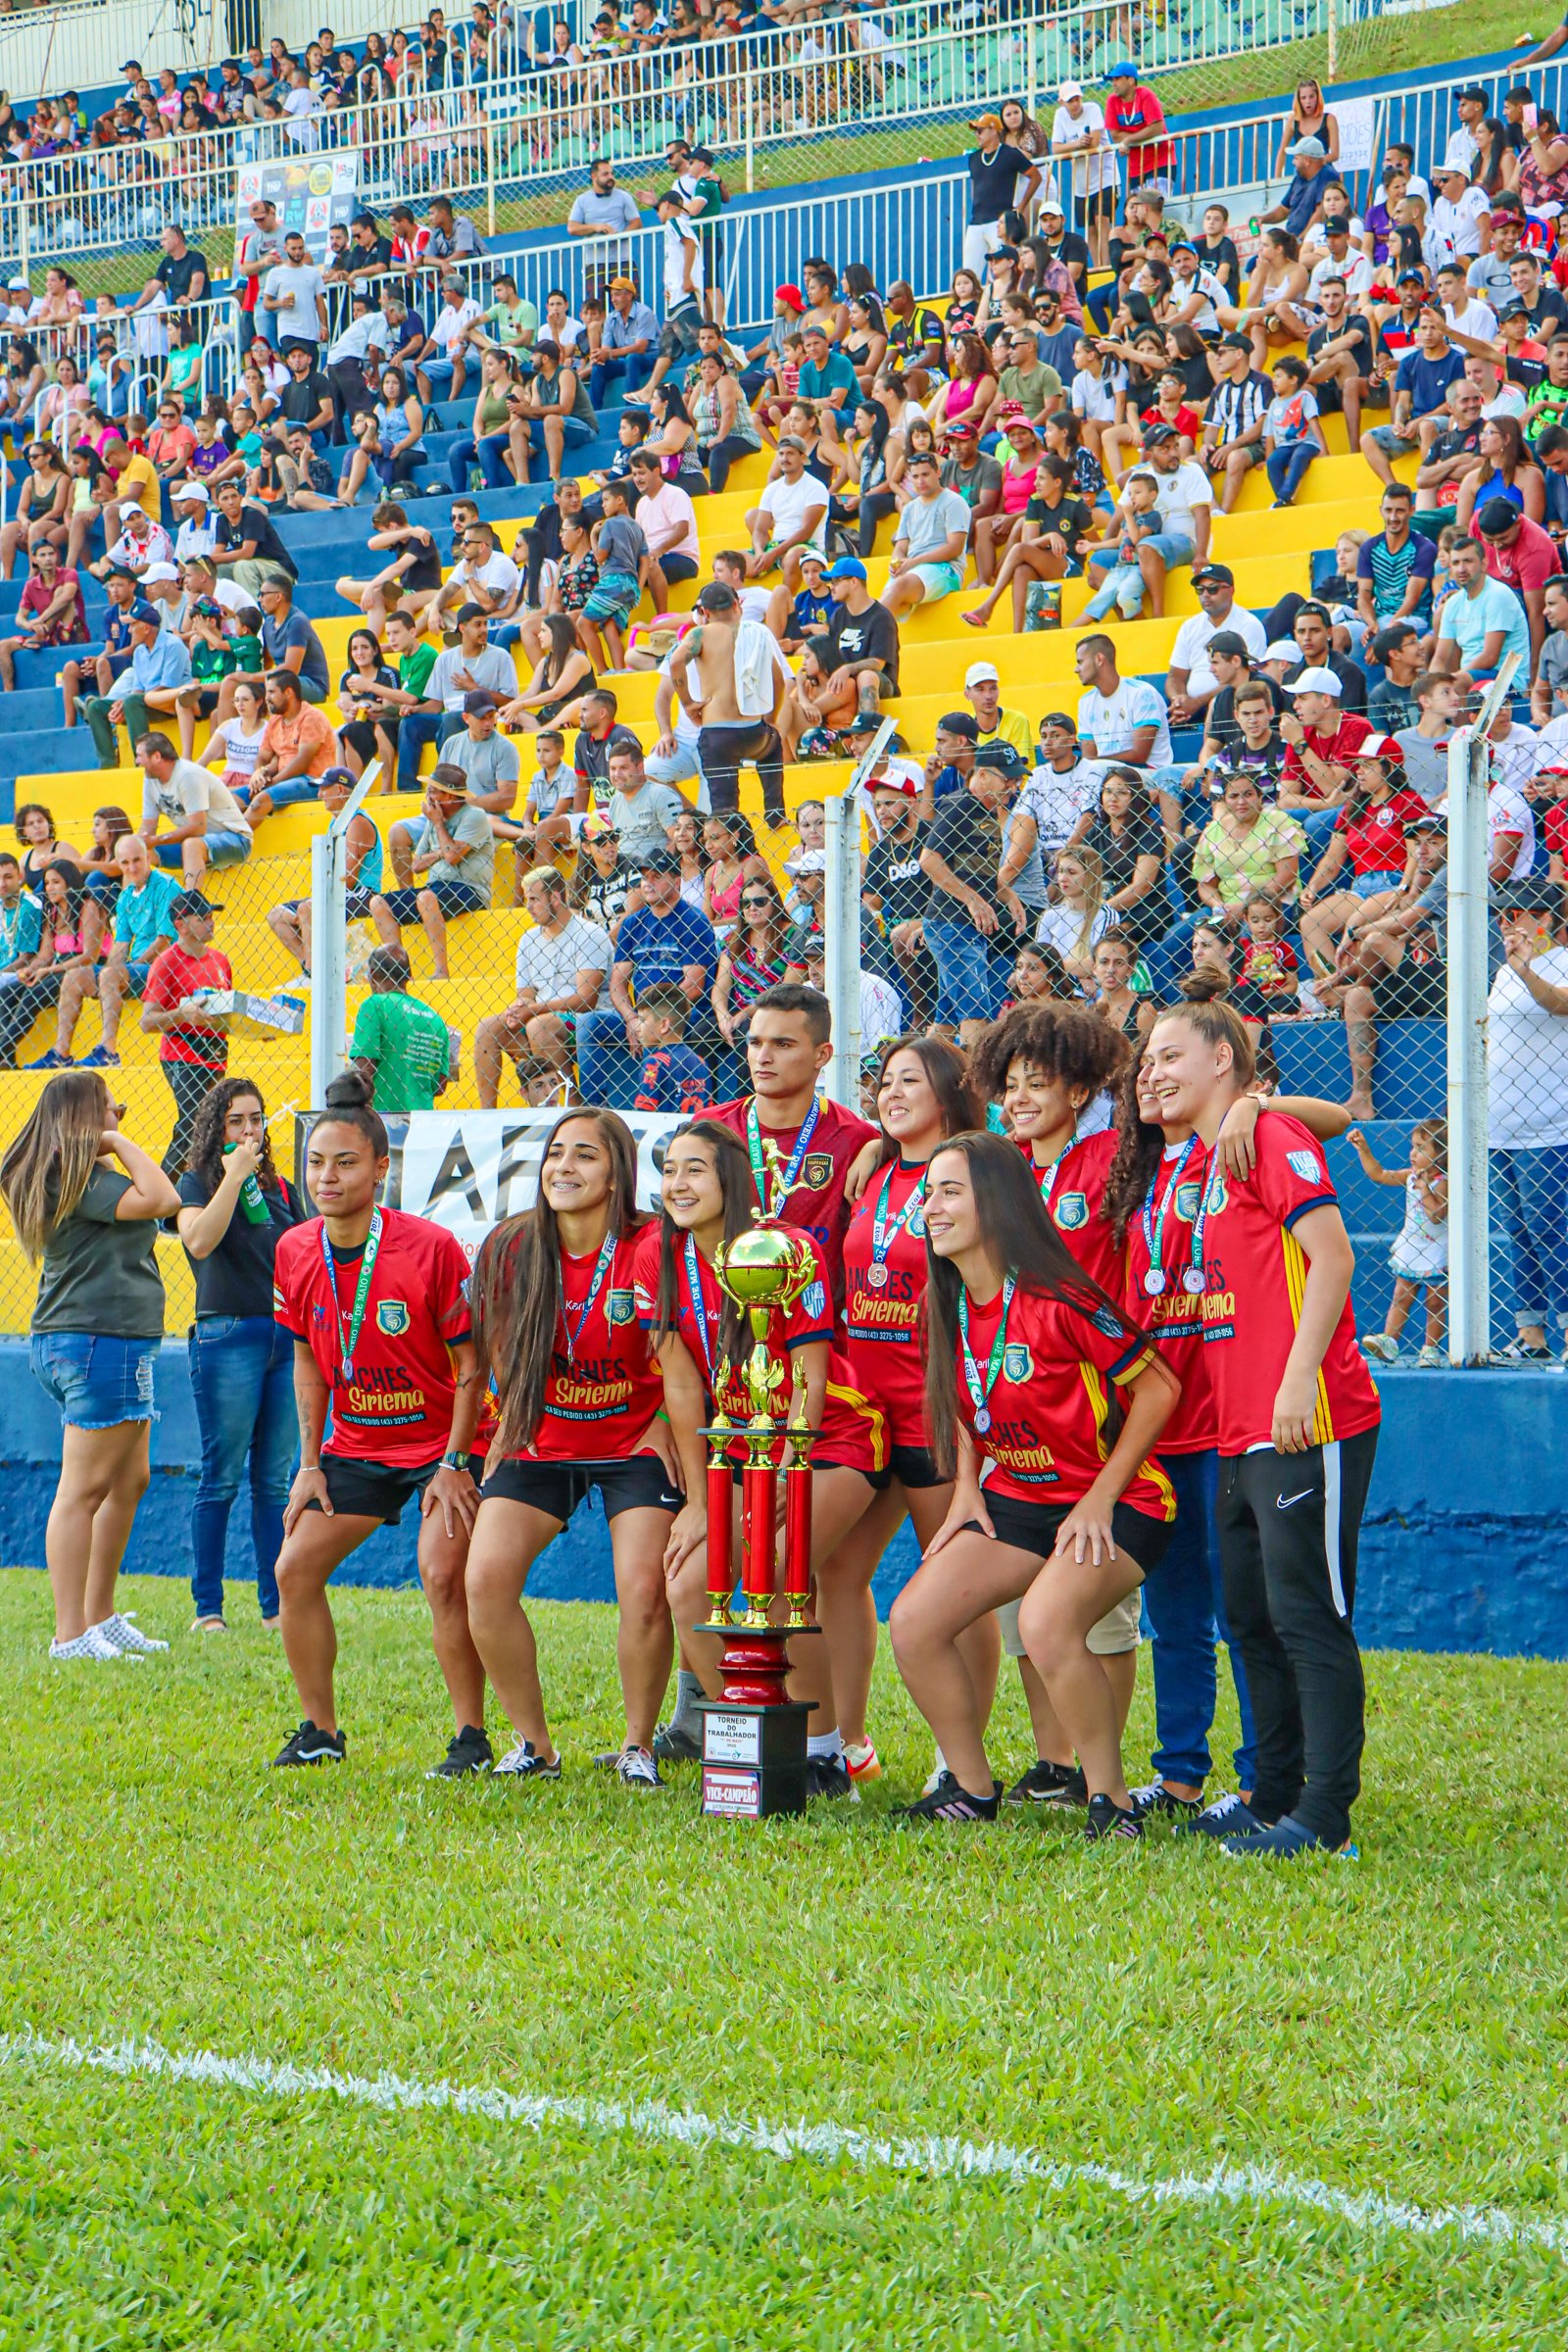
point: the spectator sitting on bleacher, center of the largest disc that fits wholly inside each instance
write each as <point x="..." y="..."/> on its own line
<point x="667" y="520"/>
<point x="245" y="546"/>
<point x="289" y="641"/>
<point x="1322" y="740"/>
<point x="599" y="733"/>
<point x="140" y="541"/>
<point x="297" y="747"/>
<point x="51" y="612"/>
<point x="1312" y="629"/>
<point x="672" y="1078"/>
<point x="143" y="927"/>
<point x="193" y="1047"/>
<point x="488" y="758"/>
<point x="481" y="577"/>
<point x="792" y="514"/>
<point x="158" y="666"/>
<point x="402" y="1045"/>
<point x="207" y="825"/>
<point x="470" y="666"/>
<point x="441" y="363"/>
<point x="662" y="939"/>
<point x="562" y="963"/>
<point x="640" y="811"/>
<point x="290" y="922"/>
<point x="456" y="860"/>
<point x="1417" y="398"/>
<point x="1480" y="624"/>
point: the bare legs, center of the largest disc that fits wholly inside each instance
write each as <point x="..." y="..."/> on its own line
<point x="103" y="1476"/>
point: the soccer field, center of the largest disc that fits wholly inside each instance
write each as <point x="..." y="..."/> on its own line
<point x="828" y="2083"/>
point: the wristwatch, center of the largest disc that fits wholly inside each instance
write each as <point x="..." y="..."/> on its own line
<point x="454" y="1461"/>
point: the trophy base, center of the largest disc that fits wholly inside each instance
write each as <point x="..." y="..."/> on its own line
<point x="753" y="1757"/>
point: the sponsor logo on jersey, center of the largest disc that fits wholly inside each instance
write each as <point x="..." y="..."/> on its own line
<point x="1018" y="1364"/>
<point x="816" y="1171"/>
<point x="392" y="1317"/>
<point x="1071" y="1211"/>
<point x="1305" y="1165"/>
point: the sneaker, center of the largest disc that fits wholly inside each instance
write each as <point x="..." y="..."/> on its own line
<point x="1108" y="1819"/>
<point x="637" y="1769"/>
<point x="1229" y="1816"/>
<point x="1516" y="1352"/>
<point x="1285" y="1840"/>
<point x="49" y="1062"/>
<point x="946" y="1801"/>
<point x="1157" y="1799"/>
<point x="1431" y="1357"/>
<point x="864" y="1762"/>
<point x="88" y="1646"/>
<point x="1047" y="1783"/>
<point x="208" y="1625"/>
<point x="829" y="1776"/>
<point x="125" y="1633"/>
<point x="308" y="1746"/>
<point x="469" y="1753"/>
<point x="520" y="1763"/>
<point x="1379" y="1345"/>
<point x="100" y="1058"/>
<point x="673" y="1743"/>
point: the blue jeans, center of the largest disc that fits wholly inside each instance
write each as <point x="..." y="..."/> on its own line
<point x="1186" y="1612"/>
<point x="489" y="455"/>
<point x="635" y="366"/>
<point x="1122" y="581"/>
<point x="967" y="987"/>
<point x="1531" y="1188"/>
<point x="242" y="1375"/>
<point x="1287" y="467"/>
<point x="414" y="731"/>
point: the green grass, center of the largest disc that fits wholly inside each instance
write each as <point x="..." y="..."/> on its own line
<point x="1394" y="2026"/>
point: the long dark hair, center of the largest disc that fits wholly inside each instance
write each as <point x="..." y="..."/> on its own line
<point x="76" y="887"/>
<point x="1007" y="1204"/>
<point x="516" y="1290"/>
<point x="206" y="1158"/>
<point x="561" y="631"/>
<point x="947" y="1073"/>
<point x="734" y="1173"/>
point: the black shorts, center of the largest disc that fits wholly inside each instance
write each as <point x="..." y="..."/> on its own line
<point x="378" y="1490"/>
<point x="557" y="1488"/>
<point x="1412" y="992"/>
<point x="914" y="1467"/>
<point x="1100" y="204"/>
<point x="1032" y="1526"/>
<point x="676" y="569"/>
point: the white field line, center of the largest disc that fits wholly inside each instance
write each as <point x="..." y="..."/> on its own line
<point x="938" y="2159"/>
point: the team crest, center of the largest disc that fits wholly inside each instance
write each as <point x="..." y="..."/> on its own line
<point x="1305" y="1165"/>
<point x="1187" y="1197"/>
<point x="392" y="1317"/>
<point x="1071" y="1211"/>
<point x="1018" y="1364"/>
<point x="813" y="1300"/>
<point x="1219" y="1193"/>
<point x="816" y="1171"/>
<point x="622" y="1308"/>
<point x="915" y="1224"/>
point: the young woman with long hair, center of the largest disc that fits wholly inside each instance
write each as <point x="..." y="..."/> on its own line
<point x="1024" y="1357"/>
<point x="97" y="1326"/>
<point x="1295" y="1420"/>
<point x="389" y="1399"/>
<point x="579" y="1399"/>
<point x="752" y="959"/>
<point x="235" y="1208"/>
<point x="706" y="1198"/>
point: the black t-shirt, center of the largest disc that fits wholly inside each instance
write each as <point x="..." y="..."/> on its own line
<point x="992" y="179"/>
<point x="871" y="635"/>
<point x="1360" y="351"/>
<point x="1222" y="725"/>
<point x="176" y="278"/>
<point x="1352" y="677"/>
<point x="894" y="874"/>
<point x="425" y="570"/>
<point x="1548" y="304"/>
<point x="1526" y="374"/>
<point x="255" y="525"/>
<point x="1071" y="518"/>
<point x="302" y="396"/>
<point x="236" y="1278"/>
<point x="1071" y="248"/>
<point x="967" y="836"/>
<point x="1219" y="254"/>
<point x="604" y="896"/>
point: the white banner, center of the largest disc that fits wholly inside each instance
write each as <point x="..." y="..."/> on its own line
<point x="1357" y="119"/>
<point x="467" y="1169"/>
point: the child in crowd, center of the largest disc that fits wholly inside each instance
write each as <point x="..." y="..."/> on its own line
<point x="1420" y="1254"/>
<point x="1268" y="983"/>
<point x="1443" y="570"/>
<point x="673" y="1077"/>
<point x="1120" y="583"/>
<point x="1292" y="434"/>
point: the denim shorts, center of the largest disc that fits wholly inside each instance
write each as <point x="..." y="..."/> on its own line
<point x="222" y="849"/>
<point x="97" y="1383"/>
<point x="1367" y="886"/>
<point x="1174" y="546"/>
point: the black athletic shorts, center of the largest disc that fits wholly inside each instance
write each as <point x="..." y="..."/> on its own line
<point x="914" y="1466"/>
<point x="377" y="1490"/>
<point x="1412" y="992"/>
<point x="557" y="1488"/>
<point x="1032" y="1527"/>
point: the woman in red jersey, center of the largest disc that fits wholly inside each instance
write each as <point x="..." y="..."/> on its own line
<point x="1296" y="1417"/>
<point x="578" y="1397"/>
<point x="707" y="1199"/>
<point x="1049" y="1506"/>
<point x="387" y="1385"/>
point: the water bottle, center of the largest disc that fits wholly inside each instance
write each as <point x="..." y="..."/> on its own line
<point x="252" y="1199"/>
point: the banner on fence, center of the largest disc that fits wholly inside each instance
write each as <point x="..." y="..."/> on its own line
<point x="1357" y="119"/>
<point x="313" y="193"/>
<point x="467" y="1169"/>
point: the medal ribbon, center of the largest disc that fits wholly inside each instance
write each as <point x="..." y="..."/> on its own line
<point x="883" y="1235"/>
<point x="694" y="1292"/>
<point x="1046" y="1178"/>
<point x="602" y="1265"/>
<point x="980" y="1393"/>
<point x="1154" y="1226"/>
<point x="349" y="1338"/>
<point x="792" y="1171"/>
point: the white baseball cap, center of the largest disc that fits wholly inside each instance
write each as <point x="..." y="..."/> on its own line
<point x="1283" y="649"/>
<point x="1071" y="89"/>
<point x="982" y="673"/>
<point x="157" y="574"/>
<point x="194" y="493"/>
<point x="1315" y="681"/>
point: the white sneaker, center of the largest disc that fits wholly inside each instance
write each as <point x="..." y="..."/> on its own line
<point x="95" y="1645"/>
<point x="1431" y="1357"/>
<point x="1379" y="1345"/>
<point x="127" y="1636"/>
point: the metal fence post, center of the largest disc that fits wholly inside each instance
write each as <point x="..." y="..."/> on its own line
<point x="329" y="852"/>
<point x="1469" y="1209"/>
<point x="1331" y="70"/>
<point x="748" y="109"/>
<point x="490" y="172"/>
<point x="841" y="927"/>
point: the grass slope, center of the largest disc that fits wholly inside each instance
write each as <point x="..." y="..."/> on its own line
<point x="1394" y="2026"/>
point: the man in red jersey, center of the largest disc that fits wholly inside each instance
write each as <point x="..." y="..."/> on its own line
<point x="788" y="1046"/>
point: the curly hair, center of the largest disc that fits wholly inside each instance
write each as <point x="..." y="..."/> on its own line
<point x="206" y="1156"/>
<point x="1068" y="1041"/>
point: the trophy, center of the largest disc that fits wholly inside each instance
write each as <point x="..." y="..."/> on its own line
<point x="754" y="1737"/>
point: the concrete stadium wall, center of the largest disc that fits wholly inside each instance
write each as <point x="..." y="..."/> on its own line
<point x="1465" y="1545"/>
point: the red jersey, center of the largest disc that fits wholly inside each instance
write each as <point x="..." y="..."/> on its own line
<point x="1269" y="966"/>
<point x="603" y="1386"/>
<point x="1074" y="1191"/>
<point x="884" y="1323"/>
<point x="1255" y="1273"/>
<point x="1374" y="838"/>
<point x="854" y="1429"/>
<point x="1554" y="830"/>
<point x="1049" y="1406"/>
<point x="1341" y="747"/>
<point x="397" y="1410"/>
<point x="1175" y="1318"/>
<point x="1150" y="158"/>
<point x="172" y="978"/>
<point x="814" y="1201"/>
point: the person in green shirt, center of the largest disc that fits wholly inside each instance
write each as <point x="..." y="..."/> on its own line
<point x="415" y="660"/>
<point x="510" y="325"/>
<point x="401" y="1045"/>
<point x="182" y="378"/>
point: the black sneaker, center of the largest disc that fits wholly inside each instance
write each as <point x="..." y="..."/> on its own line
<point x="469" y="1753"/>
<point x="521" y="1763"/>
<point x="1227" y="1817"/>
<point x="829" y="1776"/>
<point x="1108" y="1819"/>
<point x="1157" y="1799"/>
<point x="675" y="1745"/>
<point x="946" y="1801"/>
<point x="1047" y="1784"/>
<point x="308" y="1746"/>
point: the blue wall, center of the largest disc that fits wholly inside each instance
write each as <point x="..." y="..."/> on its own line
<point x="1464" y="1547"/>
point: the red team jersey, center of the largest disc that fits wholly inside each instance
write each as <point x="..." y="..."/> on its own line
<point x="1175" y="1318"/>
<point x="815" y="1201"/>
<point x="854" y="1431"/>
<point x="1074" y="1191"/>
<point x="1255" y="1274"/>
<point x="602" y="1392"/>
<point x="397" y="1408"/>
<point x="1046" y="1443"/>
<point x="884" y="1325"/>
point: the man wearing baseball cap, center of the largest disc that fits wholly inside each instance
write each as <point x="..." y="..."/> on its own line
<point x="1321" y="740"/>
<point x="455" y="869"/>
<point x="1136" y="122"/>
<point x="982" y="691"/>
<point x="1459" y="208"/>
<point x="1305" y="189"/>
<point x="160" y="663"/>
<point x="1078" y="129"/>
<point x="995" y="170"/>
<point x="192" y="1049"/>
<point x="895" y="888"/>
<point x="1190" y="683"/>
<point x="1523" y="557"/>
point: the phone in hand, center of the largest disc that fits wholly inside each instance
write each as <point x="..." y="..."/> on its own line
<point x="1532" y="115"/>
